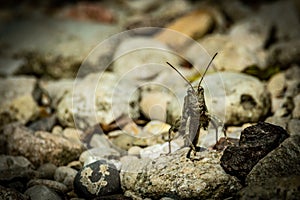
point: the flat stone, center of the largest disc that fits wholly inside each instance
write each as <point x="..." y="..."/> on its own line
<point x="176" y="176"/>
<point x="40" y="192"/>
<point x="42" y="147"/>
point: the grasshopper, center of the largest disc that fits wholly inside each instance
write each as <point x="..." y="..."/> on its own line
<point x="194" y="115"/>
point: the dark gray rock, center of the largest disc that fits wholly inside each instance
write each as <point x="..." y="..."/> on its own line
<point x="8" y="193"/>
<point x="283" y="54"/>
<point x="10" y="66"/>
<point x="41" y="192"/>
<point x="255" y="143"/>
<point x="44" y="124"/>
<point x="276" y="188"/>
<point x="281" y="162"/>
<point x="65" y="175"/>
<point x="15" y="167"/>
<point x="97" y="179"/>
<point x="47" y="170"/>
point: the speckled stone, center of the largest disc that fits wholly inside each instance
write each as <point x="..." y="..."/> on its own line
<point x="97" y="179"/>
<point x="179" y="177"/>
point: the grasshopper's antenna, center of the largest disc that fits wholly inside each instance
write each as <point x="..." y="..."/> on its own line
<point x="207" y="68"/>
<point x="180" y="75"/>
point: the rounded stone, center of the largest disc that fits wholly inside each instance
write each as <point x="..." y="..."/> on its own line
<point x="97" y="179"/>
<point x="65" y="175"/>
<point x="40" y="192"/>
<point x="236" y="98"/>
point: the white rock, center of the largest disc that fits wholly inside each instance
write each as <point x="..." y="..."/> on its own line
<point x="235" y="98"/>
<point x="17" y="103"/>
<point x="141" y="58"/>
<point x="98" y="98"/>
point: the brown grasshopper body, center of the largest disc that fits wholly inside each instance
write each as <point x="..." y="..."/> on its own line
<point x="194" y="114"/>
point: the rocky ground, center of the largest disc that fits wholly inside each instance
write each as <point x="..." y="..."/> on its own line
<point x="87" y="99"/>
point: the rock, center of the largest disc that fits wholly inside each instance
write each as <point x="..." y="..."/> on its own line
<point x="42" y="147"/>
<point x="44" y="124"/>
<point x="273" y="188"/>
<point x="121" y="140"/>
<point x="294" y="127"/>
<point x="134" y="151"/>
<point x="154" y="105"/>
<point x="40" y="192"/>
<point x="66" y="176"/>
<point x="251" y="32"/>
<point x="10" y="66"/>
<point x="235" y="98"/>
<point x="47" y="171"/>
<point x="57" y="89"/>
<point x="278" y="121"/>
<point x="87" y="11"/>
<point x="179" y="177"/>
<point x="98" y="98"/>
<point x="73" y="135"/>
<point x="277" y="85"/>
<point x="281" y="162"/>
<point x="54" y="185"/>
<point x="17" y="103"/>
<point x="236" y="10"/>
<point x="156" y="130"/>
<point x="97" y="179"/>
<point x="255" y="143"/>
<point x="283" y="31"/>
<point x="283" y="54"/>
<point x="99" y="140"/>
<point x="15" y="168"/>
<point x="232" y="56"/>
<point x="194" y="25"/>
<point x="94" y="154"/>
<point x="140" y="58"/>
<point x="157" y="150"/>
<point x="50" y="46"/>
<point x="159" y="17"/>
<point x="9" y="193"/>
<point x="296" y="110"/>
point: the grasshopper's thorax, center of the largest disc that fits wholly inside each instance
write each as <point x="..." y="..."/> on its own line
<point x="201" y="99"/>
